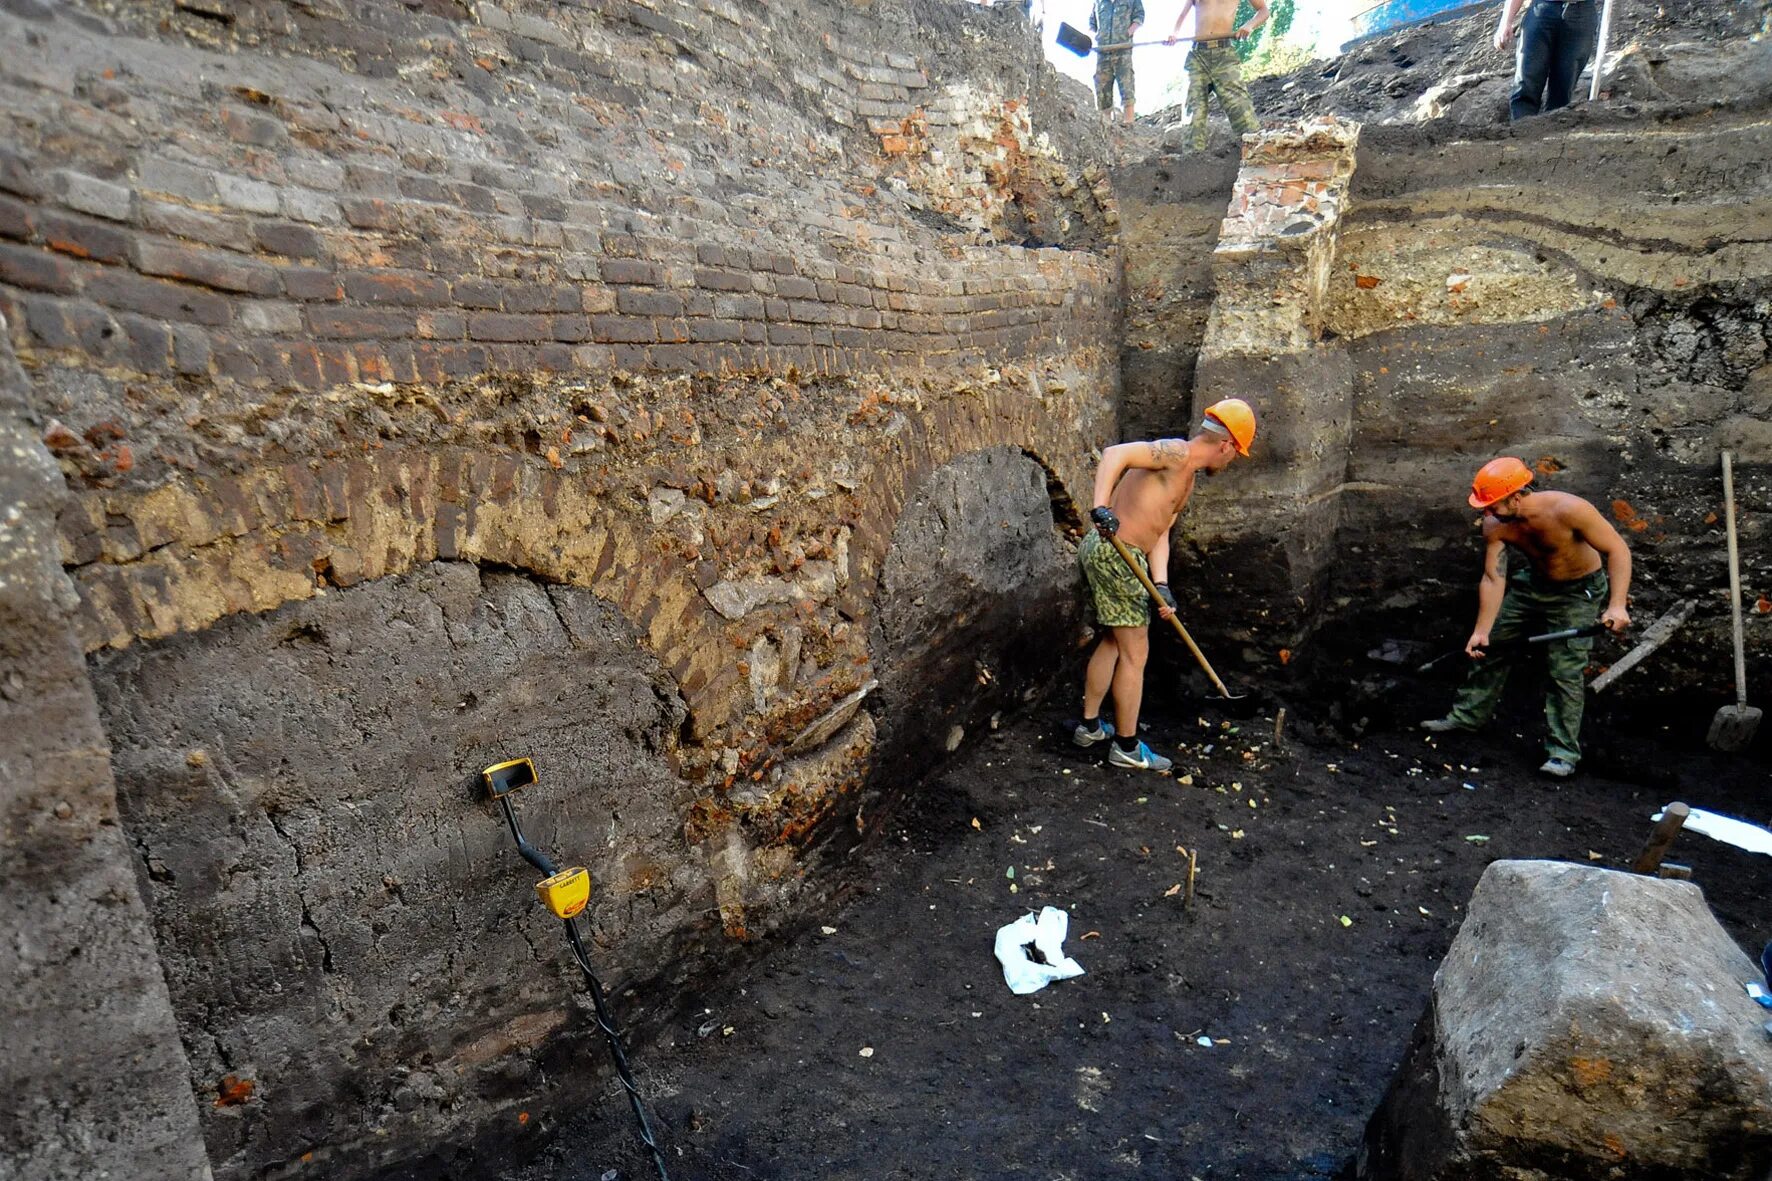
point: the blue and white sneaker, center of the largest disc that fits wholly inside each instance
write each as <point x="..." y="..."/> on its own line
<point x="1142" y="759"/>
<point x="1085" y="737"/>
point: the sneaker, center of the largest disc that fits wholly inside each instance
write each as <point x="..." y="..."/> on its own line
<point x="1142" y="759"/>
<point x="1085" y="737"/>
<point x="1446" y="725"/>
<point x="1557" y="768"/>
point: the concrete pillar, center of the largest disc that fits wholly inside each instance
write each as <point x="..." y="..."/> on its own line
<point x="1273" y="517"/>
<point x="93" y="1082"/>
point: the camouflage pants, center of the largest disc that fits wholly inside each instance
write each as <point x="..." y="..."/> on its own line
<point x="1215" y="69"/>
<point x="1111" y="67"/>
<point x="1116" y="597"/>
<point x="1534" y="605"/>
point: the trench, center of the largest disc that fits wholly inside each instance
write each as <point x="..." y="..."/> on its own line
<point x="1105" y="1075"/>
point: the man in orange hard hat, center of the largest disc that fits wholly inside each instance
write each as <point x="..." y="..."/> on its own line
<point x="1575" y="560"/>
<point x="1140" y="488"/>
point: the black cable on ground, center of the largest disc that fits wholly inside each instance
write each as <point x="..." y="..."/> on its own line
<point x="606" y="1021"/>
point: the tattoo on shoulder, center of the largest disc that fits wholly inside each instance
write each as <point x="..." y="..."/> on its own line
<point x="1169" y="450"/>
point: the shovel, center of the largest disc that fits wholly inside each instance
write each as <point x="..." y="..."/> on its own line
<point x="1568" y="633"/>
<point x="1733" y="727"/>
<point x="1151" y="589"/>
<point x="1082" y="44"/>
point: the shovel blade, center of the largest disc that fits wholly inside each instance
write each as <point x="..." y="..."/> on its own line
<point x="1733" y="728"/>
<point x="1075" y="40"/>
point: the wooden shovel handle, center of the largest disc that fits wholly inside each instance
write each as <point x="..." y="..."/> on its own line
<point x="1156" y="597"/>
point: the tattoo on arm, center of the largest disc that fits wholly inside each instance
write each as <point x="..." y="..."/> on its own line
<point x="1169" y="450"/>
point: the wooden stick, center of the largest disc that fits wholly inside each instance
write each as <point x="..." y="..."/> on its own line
<point x="1734" y="582"/>
<point x="1193" y="867"/>
<point x="1279" y="727"/>
<point x="1659" y="633"/>
<point x="1660" y="838"/>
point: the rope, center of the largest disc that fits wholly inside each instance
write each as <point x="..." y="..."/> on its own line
<point x="606" y="1022"/>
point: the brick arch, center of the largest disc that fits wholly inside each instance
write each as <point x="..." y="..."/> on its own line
<point x="197" y="549"/>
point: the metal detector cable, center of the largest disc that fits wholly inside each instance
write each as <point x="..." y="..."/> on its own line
<point x="606" y="1021"/>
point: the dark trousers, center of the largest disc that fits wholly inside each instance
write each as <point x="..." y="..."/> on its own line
<point x="1556" y="40"/>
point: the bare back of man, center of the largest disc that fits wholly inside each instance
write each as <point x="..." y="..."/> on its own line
<point x="1148" y="499"/>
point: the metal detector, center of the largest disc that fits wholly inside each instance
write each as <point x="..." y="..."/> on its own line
<point x="564" y="892"/>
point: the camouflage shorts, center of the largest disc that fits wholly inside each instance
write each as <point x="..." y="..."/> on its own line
<point x="1215" y="69"/>
<point x="1111" y="67"/>
<point x="1116" y="597"/>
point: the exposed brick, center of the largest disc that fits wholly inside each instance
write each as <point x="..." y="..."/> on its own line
<point x="715" y="330"/>
<point x="739" y="307"/>
<point x="629" y="270"/>
<point x="402" y="288"/>
<point x="289" y="240"/>
<point x="150" y="343"/>
<point x="722" y="280"/>
<point x="225" y="272"/>
<point x="571" y="329"/>
<point x="347" y="323"/>
<point x="442" y="325"/>
<point x="36" y="270"/>
<point x="270" y="316"/>
<point x="190" y="350"/>
<point x="101" y="198"/>
<point x="81" y="238"/>
<point x="17" y="175"/>
<point x="175" y="178"/>
<point x="16" y="220"/>
<point x="312" y="283"/>
<point x="313" y="208"/>
<point x="478" y="293"/>
<point x="633" y="301"/>
<point x="184" y="222"/>
<point x="623" y="329"/>
<point x="540" y="297"/>
<point x="368" y="213"/>
<point x="249" y="196"/>
<point x="502" y="326"/>
<point x="247" y="127"/>
<point x="789" y="334"/>
<point x="794" y="287"/>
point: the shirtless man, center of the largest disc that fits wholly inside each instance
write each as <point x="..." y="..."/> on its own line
<point x="1213" y="66"/>
<point x="1140" y="489"/>
<point x="1570" y="551"/>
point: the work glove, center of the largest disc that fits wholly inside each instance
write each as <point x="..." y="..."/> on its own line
<point x="1167" y="595"/>
<point x="1105" y="520"/>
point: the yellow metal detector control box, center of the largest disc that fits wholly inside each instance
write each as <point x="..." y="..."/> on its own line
<point x="566" y="892"/>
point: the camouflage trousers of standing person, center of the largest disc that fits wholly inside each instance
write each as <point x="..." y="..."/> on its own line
<point x="1534" y="605"/>
<point x="1215" y="69"/>
<point x="1114" y="66"/>
<point x="1116" y="597"/>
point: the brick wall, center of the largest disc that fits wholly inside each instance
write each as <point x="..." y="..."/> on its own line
<point x="678" y="303"/>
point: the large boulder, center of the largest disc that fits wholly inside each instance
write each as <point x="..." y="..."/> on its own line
<point x="1586" y="1023"/>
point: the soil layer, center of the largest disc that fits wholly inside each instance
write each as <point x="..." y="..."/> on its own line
<point x="1247" y="1036"/>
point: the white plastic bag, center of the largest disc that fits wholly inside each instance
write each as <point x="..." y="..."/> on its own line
<point x="1021" y="972"/>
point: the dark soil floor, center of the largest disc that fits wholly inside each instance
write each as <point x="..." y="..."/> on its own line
<point x="1247" y="1036"/>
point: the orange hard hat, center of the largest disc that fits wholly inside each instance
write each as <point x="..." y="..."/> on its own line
<point x="1237" y="419"/>
<point x="1497" y="479"/>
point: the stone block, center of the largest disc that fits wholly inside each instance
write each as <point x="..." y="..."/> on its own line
<point x="224" y="272"/>
<point x="1586" y="1024"/>
<point x="89" y="194"/>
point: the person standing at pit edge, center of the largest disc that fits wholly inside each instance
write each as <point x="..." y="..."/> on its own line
<point x="1556" y="39"/>
<point x="1140" y="488"/>
<point x="1213" y="66"/>
<point x="1570" y="551"/>
<point x="1114" y="22"/>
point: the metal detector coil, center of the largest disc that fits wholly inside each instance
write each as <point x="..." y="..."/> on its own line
<point x="566" y="893"/>
<point x="506" y="777"/>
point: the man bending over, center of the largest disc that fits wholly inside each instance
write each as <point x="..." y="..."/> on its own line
<point x="1140" y="489"/>
<point x="1569" y="549"/>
